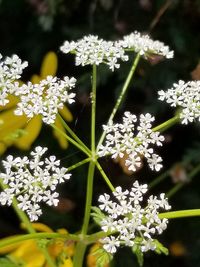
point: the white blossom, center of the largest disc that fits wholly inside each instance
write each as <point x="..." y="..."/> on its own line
<point x="11" y="69"/>
<point x="91" y="50"/>
<point x="145" y="46"/>
<point x="32" y="181"/>
<point x="126" y="138"/>
<point x="45" y="98"/>
<point x="134" y="222"/>
<point x="185" y="95"/>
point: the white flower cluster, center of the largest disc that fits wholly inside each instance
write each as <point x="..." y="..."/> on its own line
<point x="121" y="140"/>
<point x="131" y="224"/>
<point x="185" y="95"/>
<point x="45" y="98"/>
<point x="32" y="181"/>
<point x="92" y="50"/>
<point x="145" y="45"/>
<point x="10" y="70"/>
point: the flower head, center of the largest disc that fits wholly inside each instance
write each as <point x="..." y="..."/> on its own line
<point x="145" y="46"/>
<point x="10" y="70"/>
<point x="45" y="98"/>
<point x="185" y="95"/>
<point x="130" y="223"/>
<point x="121" y="140"/>
<point x="91" y="50"/>
<point x="32" y="181"/>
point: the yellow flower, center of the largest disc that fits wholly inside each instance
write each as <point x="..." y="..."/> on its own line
<point x="28" y="252"/>
<point x="21" y="132"/>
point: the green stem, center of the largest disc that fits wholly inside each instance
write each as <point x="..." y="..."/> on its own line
<point x="180" y="214"/>
<point x="88" y="203"/>
<point x="121" y="96"/>
<point x="177" y="187"/>
<point x="17" y="239"/>
<point x="93" y="110"/>
<point x="74" y="166"/>
<point x="71" y="140"/>
<point x="72" y="133"/>
<point x="105" y="177"/>
<point x="79" y="254"/>
<point x="159" y="179"/>
<point x="167" y="124"/>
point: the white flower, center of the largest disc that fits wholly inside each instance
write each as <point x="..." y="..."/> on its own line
<point x="10" y="70"/>
<point x="185" y="95"/>
<point x="32" y="181"/>
<point x="128" y="221"/>
<point x="45" y="98"/>
<point x="91" y="50"/>
<point x="145" y="45"/>
<point x="125" y="138"/>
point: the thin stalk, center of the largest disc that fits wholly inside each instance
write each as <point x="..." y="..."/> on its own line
<point x="88" y="203"/>
<point x="167" y="124"/>
<point x="105" y="177"/>
<point x="180" y="214"/>
<point x="80" y="163"/>
<point x="72" y="133"/>
<point x="121" y="96"/>
<point x="177" y="187"/>
<point x="79" y="255"/>
<point x="80" y="147"/>
<point x="93" y="110"/>
<point x="159" y="179"/>
<point x="17" y="239"/>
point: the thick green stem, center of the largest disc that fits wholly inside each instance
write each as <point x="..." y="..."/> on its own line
<point x="179" y="214"/>
<point x="88" y="203"/>
<point x="80" y="147"/>
<point x="121" y="96"/>
<point x="79" y="255"/>
<point x="81" y="245"/>
<point x="72" y="133"/>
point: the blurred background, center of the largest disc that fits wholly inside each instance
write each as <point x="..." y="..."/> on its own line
<point x="32" y="28"/>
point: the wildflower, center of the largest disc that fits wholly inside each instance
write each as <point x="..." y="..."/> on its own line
<point x="145" y="46"/>
<point x="21" y="131"/>
<point x="120" y="141"/>
<point x="45" y="98"/>
<point x="32" y="181"/>
<point x="10" y="70"/>
<point x="133" y="225"/>
<point x="91" y="50"/>
<point x="185" y="95"/>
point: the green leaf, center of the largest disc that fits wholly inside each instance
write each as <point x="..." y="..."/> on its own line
<point x="160" y="249"/>
<point x="102" y="256"/>
<point x="6" y="262"/>
<point x="97" y="215"/>
<point x="137" y="251"/>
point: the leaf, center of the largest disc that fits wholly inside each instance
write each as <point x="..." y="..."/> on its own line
<point x="160" y="249"/>
<point x="6" y="262"/>
<point x="102" y="257"/>
<point x="139" y="255"/>
<point x="97" y="215"/>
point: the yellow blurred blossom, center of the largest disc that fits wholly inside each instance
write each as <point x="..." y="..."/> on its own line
<point x="21" y="132"/>
<point x="29" y="253"/>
